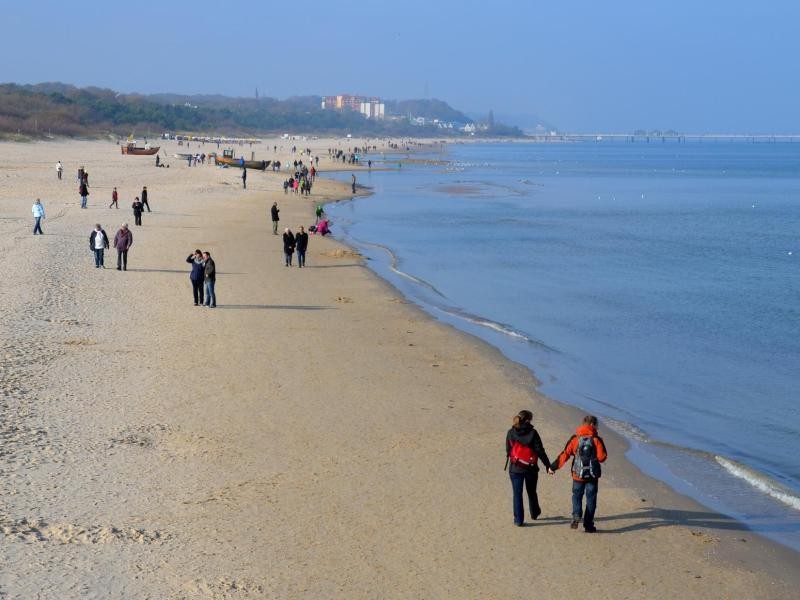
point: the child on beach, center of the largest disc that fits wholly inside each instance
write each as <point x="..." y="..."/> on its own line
<point x="523" y="450"/>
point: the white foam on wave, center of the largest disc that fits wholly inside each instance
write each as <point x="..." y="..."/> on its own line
<point x="760" y="482"/>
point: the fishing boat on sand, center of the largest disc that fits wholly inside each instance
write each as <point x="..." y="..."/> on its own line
<point x="132" y="148"/>
<point x="229" y="160"/>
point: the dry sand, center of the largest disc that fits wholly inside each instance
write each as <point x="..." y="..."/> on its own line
<point x="314" y="436"/>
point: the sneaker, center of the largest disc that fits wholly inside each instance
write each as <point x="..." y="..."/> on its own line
<point x="119" y="268"/>
<point x="519" y="524"/>
<point x="574" y="524"/>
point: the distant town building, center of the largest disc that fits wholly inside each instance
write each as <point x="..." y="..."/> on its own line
<point x="371" y="108"/>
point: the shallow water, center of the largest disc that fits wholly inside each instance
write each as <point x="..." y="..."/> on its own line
<point x="654" y="284"/>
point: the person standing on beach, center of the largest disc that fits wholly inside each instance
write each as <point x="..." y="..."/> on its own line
<point x="524" y="449"/>
<point x="288" y="246"/>
<point x="144" y="199"/>
<point x="319" y="212"/>
<point x="244" y="178"/>
<point x="587" y="450"/>
<point x="197" y="275"/>
<point x="38" y="216"/>
<point x="301" y="242"/>
<point x="123" y="242"/>
<point x="114" y="199"/>
<point x="98" y="242"/>
<point x="210" y="279"/>
<point x="354" y="182"/>
<point x="138" y="208"/>
<point x="59" y="170"/>
<point x="84" y="192"/>
<point x="275" y="210"/>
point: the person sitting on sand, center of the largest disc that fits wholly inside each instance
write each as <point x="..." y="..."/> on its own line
<point x="323" y="227"/>
<point x="524" y="449"/>
<point x="587" y="450"/>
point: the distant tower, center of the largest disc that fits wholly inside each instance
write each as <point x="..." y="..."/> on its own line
<point x="490" y="120"/>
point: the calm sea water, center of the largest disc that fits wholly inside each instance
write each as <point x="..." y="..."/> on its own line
<point x="657" y="285"/>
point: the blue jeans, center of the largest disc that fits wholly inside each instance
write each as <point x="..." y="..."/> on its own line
<point x="528" y="480"/>
<point x="98" y="257"/>
<point x="589" y="487"/>
<point x="37" y="225"/>
<point x="83" y="201"/>
<point x="211" y="297"/>
<point x="301" y="258"/>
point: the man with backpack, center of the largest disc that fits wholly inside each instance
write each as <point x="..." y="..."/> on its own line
<point x="587" y="450"/>
<point x="523" y="450"/>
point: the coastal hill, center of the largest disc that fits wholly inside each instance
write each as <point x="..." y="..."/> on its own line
<point x="58" y="109"/>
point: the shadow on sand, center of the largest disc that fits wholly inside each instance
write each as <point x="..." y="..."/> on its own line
<point x="646" y="519"/>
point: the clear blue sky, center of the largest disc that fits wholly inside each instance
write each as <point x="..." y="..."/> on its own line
<point x="588" y="65"/>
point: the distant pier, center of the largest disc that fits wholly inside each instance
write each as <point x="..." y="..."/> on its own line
<point x="662" y="138"/>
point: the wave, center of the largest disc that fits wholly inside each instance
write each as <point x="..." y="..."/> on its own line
<point x="760" y="482"/>
<point x="494" y="325"/>
<point x="393" y="266"/>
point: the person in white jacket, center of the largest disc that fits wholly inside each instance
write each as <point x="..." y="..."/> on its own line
<point x="38" y="215"/>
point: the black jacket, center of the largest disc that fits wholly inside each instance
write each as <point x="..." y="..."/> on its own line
<point x="275" y="212"/>
<point x="527" y="436"/>
<point x="301" y="241"/>
<point x="137" y="207"/>
<point x="94" y="234"/>
<point x="288" y="243"/>
<point x="210" y="270"/>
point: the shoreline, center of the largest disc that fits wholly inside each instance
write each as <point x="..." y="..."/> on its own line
<point x="631" y="474"/>
<point x="190" y="474"/>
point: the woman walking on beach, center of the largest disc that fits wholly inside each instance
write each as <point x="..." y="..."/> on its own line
<point x="288" y="246"/>
<point x="138" y="208"/>
<point x="38" y="216"/>
<point x="114" y="199"/>
<point x="83" y="190"/>
<point x="524" y="449"/>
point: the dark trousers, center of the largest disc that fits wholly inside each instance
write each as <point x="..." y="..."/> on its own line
<point x="122" y="259"/>
<point x="98" y="257"/>
<point x="137" y="218"/>
<point x="37" y="226"/>
<point x="301" y="258"/>
<point x="197" y="291"/>
<point x="579" y="488"/>
<point x="146" y="205"/>
<point x="529" y="481"/>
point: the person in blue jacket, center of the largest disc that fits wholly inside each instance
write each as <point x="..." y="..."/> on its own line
<point x="197" y="275"/>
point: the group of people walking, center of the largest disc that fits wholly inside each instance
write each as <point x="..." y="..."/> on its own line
<point x="99" y="243"/>
<point x="524" y="450"/>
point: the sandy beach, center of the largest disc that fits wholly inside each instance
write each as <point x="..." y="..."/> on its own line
<point x="314" y="436"/>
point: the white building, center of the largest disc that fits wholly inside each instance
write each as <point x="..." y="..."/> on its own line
<point x="373" y="109"/>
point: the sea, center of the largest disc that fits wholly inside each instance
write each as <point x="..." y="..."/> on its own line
<point x="656" y="285"/>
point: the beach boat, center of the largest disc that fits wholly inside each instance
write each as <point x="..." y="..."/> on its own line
<point x="131" y="148"/>
<point x="182" y="156"/>
<point x="228" y="159"/>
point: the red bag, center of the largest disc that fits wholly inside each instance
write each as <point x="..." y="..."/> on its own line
<point x="522" y="455"/>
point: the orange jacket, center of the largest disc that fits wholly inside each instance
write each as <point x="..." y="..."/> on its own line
<point x="572" y="446"/>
